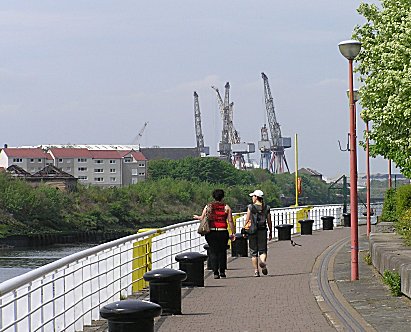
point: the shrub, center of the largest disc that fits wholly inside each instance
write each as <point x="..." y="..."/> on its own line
<point x="389" y="210"/>
<point x="393" y="280"/>
<point x="403" y="226"/>
<point x="402" y="199"/>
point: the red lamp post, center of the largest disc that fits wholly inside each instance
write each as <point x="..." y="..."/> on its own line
<point x="350" y="49"/>
<point x="367" y="150"/>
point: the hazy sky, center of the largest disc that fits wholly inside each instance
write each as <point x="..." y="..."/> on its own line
<point x="94" y="71"/>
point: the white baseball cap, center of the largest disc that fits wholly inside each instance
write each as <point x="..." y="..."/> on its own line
<point x="257" y="193"/>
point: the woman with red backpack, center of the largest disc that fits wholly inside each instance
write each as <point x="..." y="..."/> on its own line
<point x="218" y="214"/>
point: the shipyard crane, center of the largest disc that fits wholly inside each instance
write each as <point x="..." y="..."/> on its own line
<point x="203" y="150"/>
<point x="136" y="140"/>
<point x="234" y="137"/>
<point x="278" y="143"/>
<point x="232" y="150"/>
<point x="225" y="145"/>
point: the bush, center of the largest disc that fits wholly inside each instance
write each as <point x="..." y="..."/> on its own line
<point x="403" y="226"/>
<point x="389" y="209"/>
<point x="402" y="199"/>
<point x="393" y="280"/>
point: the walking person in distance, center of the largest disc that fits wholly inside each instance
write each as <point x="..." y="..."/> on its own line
<point x="259" y="213"/>
<point x="219" y="215"/>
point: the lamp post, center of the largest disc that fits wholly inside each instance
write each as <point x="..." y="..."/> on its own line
<point x="350" y="49"/>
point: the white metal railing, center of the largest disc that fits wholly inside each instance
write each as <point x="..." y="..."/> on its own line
<point x="67" y="294"/>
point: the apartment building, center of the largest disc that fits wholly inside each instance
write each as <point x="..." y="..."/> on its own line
<point x="31" y="160"/>
<point x="107" y="168"/>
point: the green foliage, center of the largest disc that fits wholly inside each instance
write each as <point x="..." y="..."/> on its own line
<point x="174" y="192"/>
<point x="210" y="169"/>
<point x="368" y="259"/>
<point x="389" y="209"/>
<point x="403" y="226"/>
<point x="385" y="69"/>
<point x="403" y="199"/>
<point x="393" y="280"/>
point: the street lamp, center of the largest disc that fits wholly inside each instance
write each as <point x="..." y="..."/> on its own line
<point x="350" y="49"/>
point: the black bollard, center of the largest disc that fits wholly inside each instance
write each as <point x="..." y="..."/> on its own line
<point x="328" y="223"/>
<point x="207" y="247"/>
<point x="130" y="315"/>
<point x="192" y="263"/>
<point x="347" y="219"/>
<point x="239" y="247"/>
<point x="284" y="232"/>
<point x="306" y="226"/>
<point x="165" y="289"/>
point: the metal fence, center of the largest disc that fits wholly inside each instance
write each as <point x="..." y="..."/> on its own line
<point x="67" y="294"/>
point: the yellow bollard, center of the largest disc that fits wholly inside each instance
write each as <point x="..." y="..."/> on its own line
<point x="142" y="259"/>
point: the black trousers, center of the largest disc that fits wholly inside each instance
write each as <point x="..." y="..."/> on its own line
<point x="217" y="242"/>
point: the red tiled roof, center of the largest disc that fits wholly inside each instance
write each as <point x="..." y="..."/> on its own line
<point x="137" y="155"/>
<point x="26" y="153"/>
<point x="105" y="154"/>
<point x="70" y="153"/>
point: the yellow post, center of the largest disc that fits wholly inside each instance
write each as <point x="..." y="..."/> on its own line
<point x="142" y="260"/>
<point x="296" y="170"/>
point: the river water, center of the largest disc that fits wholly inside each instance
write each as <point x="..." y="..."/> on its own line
<point x="14" y="262"/>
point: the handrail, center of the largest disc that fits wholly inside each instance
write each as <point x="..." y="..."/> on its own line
<point x="18" y="281"/>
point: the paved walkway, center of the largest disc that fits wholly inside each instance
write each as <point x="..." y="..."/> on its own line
<point x="290" y="297"/>
<point x="280" y="301"/>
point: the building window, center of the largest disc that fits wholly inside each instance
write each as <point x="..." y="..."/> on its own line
<point x="141" y="164"/>
<point x="113" y="179"/>
<point x="17" y="160"/>
<point x="82" y="160"/>
<point x="32" y="160"/>
<point x="128" y="160"/>
<point x="134" y="171"/>
<point x="112" y="161"/>
<point x="60" y="160"/>
<point x="82" y="169"/>
<point x="141" y="174"/>
<point x="99" y="179"/>
<point x="32" y="170"/>
<point x="98" y="170"/>
<point x="82" y="177"/>
<point x="68" y="161"/>
<point x="68" y="169"/>
<point x="134" y="181"/>
<point x="112" y="170"/>
<point x="39" y="160"/>
<point x="98" y="161"/>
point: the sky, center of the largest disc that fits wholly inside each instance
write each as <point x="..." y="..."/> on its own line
<point x="93" y="72"/>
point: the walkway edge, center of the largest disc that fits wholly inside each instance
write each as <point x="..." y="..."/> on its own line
<point x="328" y="311"/>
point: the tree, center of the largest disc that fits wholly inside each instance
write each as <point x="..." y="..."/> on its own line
<point x="385" y="70"/>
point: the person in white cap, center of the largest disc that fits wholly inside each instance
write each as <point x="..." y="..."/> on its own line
<point x="259" y="213"/>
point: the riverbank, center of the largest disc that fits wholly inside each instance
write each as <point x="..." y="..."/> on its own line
<point x="48" y="239"/>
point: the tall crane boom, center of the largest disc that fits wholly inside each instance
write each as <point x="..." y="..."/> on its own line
<point x="278" y="142"/>
<point x="234" y="136"/>
<point x="272" y="120"/>
<point x="140" y="134"/>
<point x="197" y="120"/>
